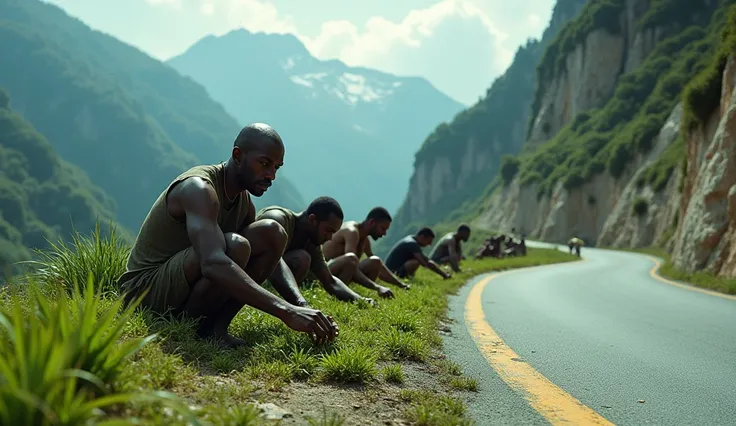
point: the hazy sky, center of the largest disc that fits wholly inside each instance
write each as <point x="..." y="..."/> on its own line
<point x="458" y="45"/>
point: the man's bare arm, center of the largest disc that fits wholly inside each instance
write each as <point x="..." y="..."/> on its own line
<point x="453" y="256"/>
<point x="199" y="202"/>
<point x="282" y="279"/>
<point x="430" y="264"/>
<point x="332" y="284"/>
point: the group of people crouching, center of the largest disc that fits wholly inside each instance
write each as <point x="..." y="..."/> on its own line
<point x="500" y="246"/>
<point x="203" y="251"/>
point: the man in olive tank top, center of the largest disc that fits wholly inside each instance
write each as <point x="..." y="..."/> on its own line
<point x="201" y="252"/>
<point x="306" y="232"/>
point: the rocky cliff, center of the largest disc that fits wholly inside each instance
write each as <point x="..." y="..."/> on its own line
<point x="604" y="150"/>
<point x="706" y="235"/>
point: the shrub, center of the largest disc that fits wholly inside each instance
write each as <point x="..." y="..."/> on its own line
<point x="509" y="168"/>
<point x="640" y="207"/>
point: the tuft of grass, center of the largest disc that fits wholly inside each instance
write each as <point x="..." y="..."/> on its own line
<point x="102" y="255"/>
<point x="393" y="373"/>
<point x="62" y="357"/>
<point x="354" y="364"/>
<point x="429" y="409"/>
<point x="464" y="383"/>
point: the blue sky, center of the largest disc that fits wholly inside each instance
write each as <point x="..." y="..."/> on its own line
<point x="460" y="46"/>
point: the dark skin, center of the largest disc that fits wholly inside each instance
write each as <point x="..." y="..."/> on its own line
<point x="226" y="270"/>
<point x="295" y="264"/>
<point x="454" y="255"/>
<point x="348" y="245"/>
<point x="412" y="265"/>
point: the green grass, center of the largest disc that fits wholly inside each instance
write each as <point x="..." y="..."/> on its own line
<point x="74" y="356"/>
<point x="699" y="279"/>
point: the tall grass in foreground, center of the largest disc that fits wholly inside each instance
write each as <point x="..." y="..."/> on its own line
<point x="62" y="356"/>
<point x="102" y="255"/>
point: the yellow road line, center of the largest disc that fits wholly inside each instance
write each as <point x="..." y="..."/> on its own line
<point x="554" y="404"/>
<point x="654" y="273"/>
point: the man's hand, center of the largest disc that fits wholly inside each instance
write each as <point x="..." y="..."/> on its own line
<point x="385" y="292"/>
<point x="312" y="321"/>
<point x="369" y="301"/>
<point x="446" y="275"/>
<point x="405" y="286"/>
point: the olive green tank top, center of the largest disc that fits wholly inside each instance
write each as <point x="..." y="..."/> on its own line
<point x="162" y="236"/>
<point x="290" y="219"/>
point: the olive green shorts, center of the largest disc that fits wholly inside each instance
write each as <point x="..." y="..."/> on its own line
<point x="168" y="289"/>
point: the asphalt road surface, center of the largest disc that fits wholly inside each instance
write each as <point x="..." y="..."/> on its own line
<point x="599" y="341"/>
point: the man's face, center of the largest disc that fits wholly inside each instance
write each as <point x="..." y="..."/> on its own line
<point x="464" y="236"/>
<point x="257" y="168"/>
<point x="379" y="229"/>
<point x="321" y="232"/>
<point x="424" y="240"/>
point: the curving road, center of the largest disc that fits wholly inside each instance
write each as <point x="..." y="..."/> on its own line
<point x="600" y="341"/>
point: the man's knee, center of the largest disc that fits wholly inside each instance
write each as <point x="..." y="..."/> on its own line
<point x="267" y="233"/>
<point x="352" y="259"/>
<point x="298" y="261"/>
<point x="238" y="248"/>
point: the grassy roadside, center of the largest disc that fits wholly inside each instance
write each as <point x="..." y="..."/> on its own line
<point x="74" y="356"/>
<point x="699" y="279"/>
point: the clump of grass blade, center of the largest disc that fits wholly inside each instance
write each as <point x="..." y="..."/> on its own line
<point x="102" y="256"/>
<point x="352" y="364"/>
<point x="63" y="357"/>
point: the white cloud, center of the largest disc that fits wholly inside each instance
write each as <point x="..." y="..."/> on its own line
<point x="453" y="43"/>
<point x="207" y="8"/>
<point x="174" y="4"/>
<point x="257" y="15"/>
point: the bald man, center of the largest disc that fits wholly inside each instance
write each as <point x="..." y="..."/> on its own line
<point x="202" y="253"/>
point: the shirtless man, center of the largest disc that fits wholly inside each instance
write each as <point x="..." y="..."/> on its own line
<point x="306" y="232"/>
<point x="200" y="251"/>
<point x="349" y="244"/>
<point x="449" y="250"/>
<point x="406" y="255"/>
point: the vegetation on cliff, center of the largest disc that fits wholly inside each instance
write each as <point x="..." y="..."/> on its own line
<point x="40" y="193"/>
<point x="607" y="138"/>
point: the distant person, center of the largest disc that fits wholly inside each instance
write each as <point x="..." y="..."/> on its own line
<point x="351" y="242"/>
<point x="406" y="255"/>
<point x="448" y="249"/>
<point x="574" y="244"/>
<point x="306" y="232"/>
<point x="201" y="251"/>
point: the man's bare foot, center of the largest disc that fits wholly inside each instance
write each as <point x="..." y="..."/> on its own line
<point x="223" y="336"/>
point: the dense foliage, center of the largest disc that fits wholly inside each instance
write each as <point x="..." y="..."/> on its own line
<point x="40" y="194"/>
<point x="607" y="138"/>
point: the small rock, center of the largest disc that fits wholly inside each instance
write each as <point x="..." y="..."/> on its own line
<point x="271" y="411"/>
<point x="606" y="406"/>
<point x="641" y="401"/>
<point x="356" y="406"/>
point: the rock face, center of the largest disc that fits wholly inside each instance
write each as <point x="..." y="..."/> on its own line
<point x="706" y="235"/>
<point x="600" y="211"/>
<point x="591" y="72"/>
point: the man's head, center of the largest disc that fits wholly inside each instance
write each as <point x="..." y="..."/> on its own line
<point x="424" y="236"/>
<point x="258" y="153"/>
<point x="463" y="232"/>
<point x="324" y="218"/>
<point x="378" y="221"/>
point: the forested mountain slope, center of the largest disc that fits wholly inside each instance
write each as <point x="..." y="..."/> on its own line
<point x="39" y="192"/>
<point x="130" y="122"/>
